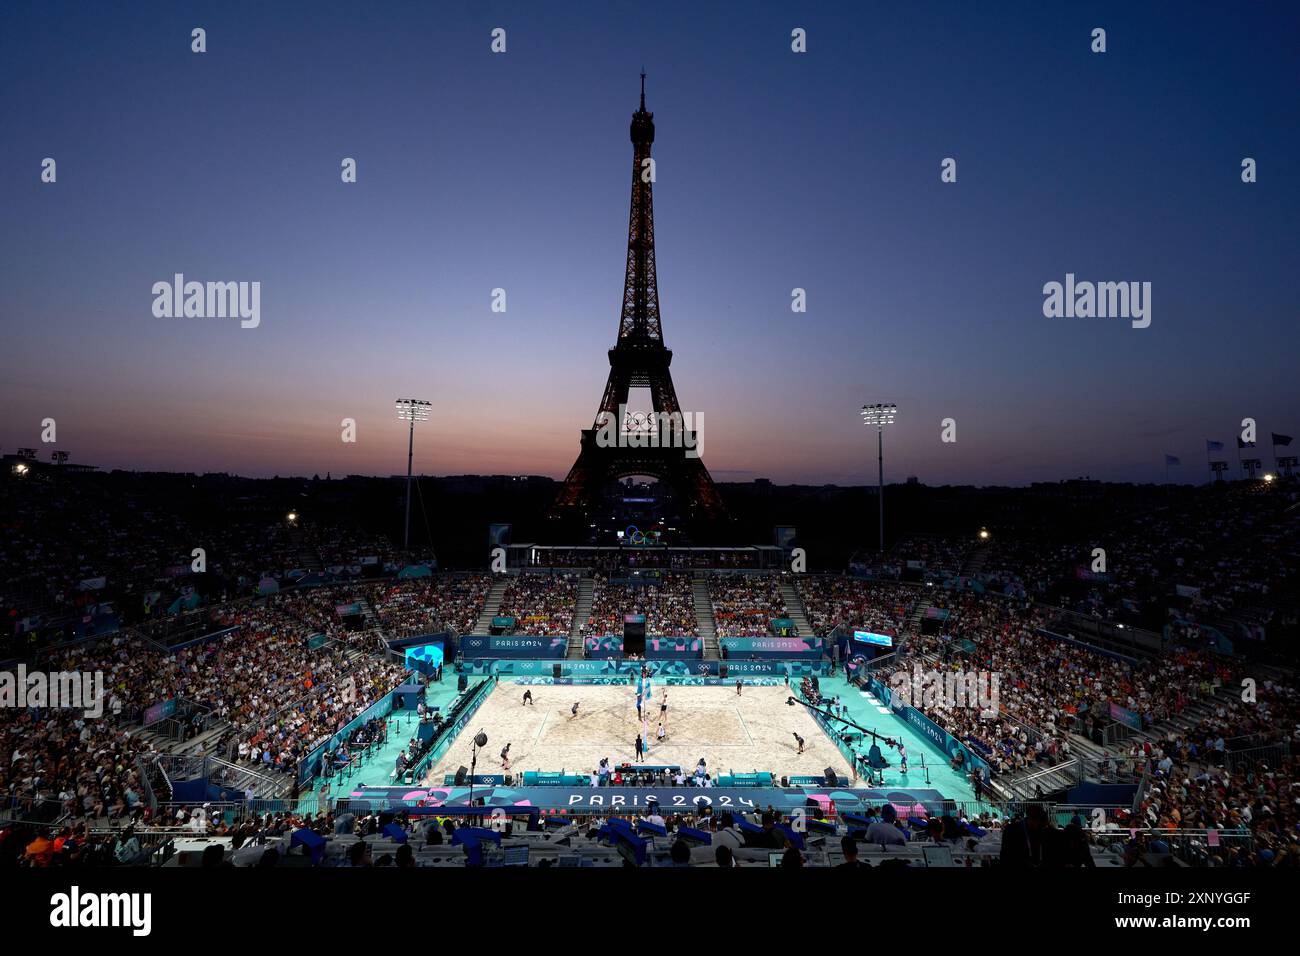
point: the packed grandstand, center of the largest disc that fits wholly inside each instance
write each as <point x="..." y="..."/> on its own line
<point x="1143" y="716"/>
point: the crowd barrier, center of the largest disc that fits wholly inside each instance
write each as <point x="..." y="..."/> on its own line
<point x="309" y="766"/>
<point x="932" y="733"/>
<point x="467" y="709"/>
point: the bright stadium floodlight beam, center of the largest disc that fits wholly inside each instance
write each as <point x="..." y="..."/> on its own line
<point x="880" y="414"/>
<point x="410" y="410"/>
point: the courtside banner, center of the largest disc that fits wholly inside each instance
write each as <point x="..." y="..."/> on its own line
<point x="674" y="647"/>
<point x="617" y="671"/>
<point x="517" y="645"/>
<point x="609" y="645"/>
<point x="586" y="799"/>
<point x="761" y="647"/>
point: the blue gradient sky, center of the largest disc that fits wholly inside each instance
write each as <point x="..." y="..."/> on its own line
<point x="773" y="171"/>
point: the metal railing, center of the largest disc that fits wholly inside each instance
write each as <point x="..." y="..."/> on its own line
<point x="1270" y="754"/>
<point x="1191" y="846"/>
<point x="42" y="810"/>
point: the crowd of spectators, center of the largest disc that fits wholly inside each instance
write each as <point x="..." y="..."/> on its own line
<point x="745" y="604"/>
<point x="428" y="605"/>
<point x="855" y="604"/>
<point x="668" y="606"/>
<point x="279" y="698"/>
<point x="542" y="603"/>
<point x="1049" y="687"/>
<point x="345" y="548"/>
<point x="102" y="543"/>
<point x="1231" y="770"/>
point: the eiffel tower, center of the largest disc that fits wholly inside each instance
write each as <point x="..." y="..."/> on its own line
<point x="642" y="445"/>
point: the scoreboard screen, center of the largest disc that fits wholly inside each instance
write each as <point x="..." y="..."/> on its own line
<point x="875" y="640"/>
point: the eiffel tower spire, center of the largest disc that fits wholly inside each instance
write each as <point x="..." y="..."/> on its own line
<point x="639" y="359"/>
<point x="640" y="318"/>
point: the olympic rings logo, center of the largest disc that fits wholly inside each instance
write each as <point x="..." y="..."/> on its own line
<point x="634" y="534"/>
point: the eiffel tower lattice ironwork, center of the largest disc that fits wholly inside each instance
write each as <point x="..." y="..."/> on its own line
<point x="622" y="444"/>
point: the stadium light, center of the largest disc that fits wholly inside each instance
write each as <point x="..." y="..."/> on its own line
<point x="20" y="468"/>
<point x="292" y="516"/>
<point x="984" y="534"/>
<point x="1268" y="478"/>
<point x="411" y="410"/>
<point x="880" y="415"/>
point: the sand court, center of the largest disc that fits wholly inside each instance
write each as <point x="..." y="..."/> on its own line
<point x="746" y="733"/>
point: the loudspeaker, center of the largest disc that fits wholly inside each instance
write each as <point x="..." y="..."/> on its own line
<point x="785" y="781"/>
<point x="722" y="671"/>
<point x="461" y="776"/>
<point x="510" y="780"/>
<point x="555" y="671"/>
<point x="462" y="682"/>
<point x="832" y="778"/>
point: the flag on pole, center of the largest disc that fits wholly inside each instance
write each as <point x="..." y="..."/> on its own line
<point x="1281" y="439"/>
<point x="1172" y="460"/>
<point x="1213" y="446"/>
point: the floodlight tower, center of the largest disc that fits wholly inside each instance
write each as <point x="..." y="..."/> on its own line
<point x="411" y="410"/>
<point x="880" y="415"/>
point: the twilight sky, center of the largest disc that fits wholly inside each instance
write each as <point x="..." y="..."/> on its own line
<point x="774" y="171"/>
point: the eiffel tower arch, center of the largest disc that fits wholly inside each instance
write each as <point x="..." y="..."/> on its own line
<point x="609" y="450"/>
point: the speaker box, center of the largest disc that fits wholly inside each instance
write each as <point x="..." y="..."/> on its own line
<point x="510" y="780"/>
<point x="722" y="671"/>
<point x="785" y="781"/>
<point x="832" y="778"/>
<point x="462" y="775"/>
<point x="555" y="671"/>
<point x="462" y="682"/>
